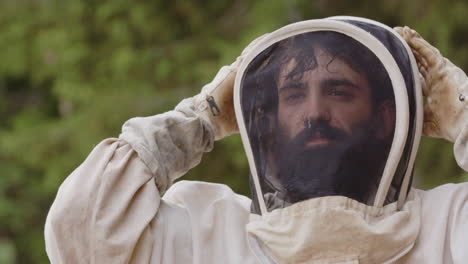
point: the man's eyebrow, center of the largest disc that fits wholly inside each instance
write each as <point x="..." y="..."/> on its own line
<point x="292" y="85"/>
<point x="338" y="82"/>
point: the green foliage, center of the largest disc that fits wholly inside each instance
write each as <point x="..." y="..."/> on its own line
<point x="72" y="72"/>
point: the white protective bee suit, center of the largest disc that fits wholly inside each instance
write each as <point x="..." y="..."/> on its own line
<point x="330" y="114"/>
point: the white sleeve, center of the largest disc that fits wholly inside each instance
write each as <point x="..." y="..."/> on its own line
<point x="461" y="148"/>
<point x="107" y="210"/>
<point x="171" y="143"/>
<point x="443" y="236"/>
<point x="458" y="220"/>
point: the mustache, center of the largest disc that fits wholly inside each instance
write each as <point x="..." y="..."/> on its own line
<point x="320" y="127"/>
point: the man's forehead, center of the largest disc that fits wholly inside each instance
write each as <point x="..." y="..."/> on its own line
<point x="322" y="62"/>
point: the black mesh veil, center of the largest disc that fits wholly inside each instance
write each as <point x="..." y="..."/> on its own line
<point x="396" y="48"/>
<point x="319" y="110"/>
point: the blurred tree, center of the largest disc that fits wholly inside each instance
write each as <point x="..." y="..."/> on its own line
<point x="72" y="72"/>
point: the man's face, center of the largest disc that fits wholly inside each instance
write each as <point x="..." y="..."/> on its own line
<point x="332" y="92"/>
<point x="325" y="135"/>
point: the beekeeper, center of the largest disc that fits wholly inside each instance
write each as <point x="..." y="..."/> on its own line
<point x="330" y="113"/>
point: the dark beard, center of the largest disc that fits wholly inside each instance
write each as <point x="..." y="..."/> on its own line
<point x="351" y="165"/>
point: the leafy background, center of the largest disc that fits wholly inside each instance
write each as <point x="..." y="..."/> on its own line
<point x="71" y="72"/>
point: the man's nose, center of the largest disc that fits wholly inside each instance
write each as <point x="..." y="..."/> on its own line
<point x="317" y="109"/>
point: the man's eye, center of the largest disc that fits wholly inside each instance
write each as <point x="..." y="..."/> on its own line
<point x="293" y="97"/>
<point x="340" y="93"/>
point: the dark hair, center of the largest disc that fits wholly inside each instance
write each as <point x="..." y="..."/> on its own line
<point x="262" y="74"/>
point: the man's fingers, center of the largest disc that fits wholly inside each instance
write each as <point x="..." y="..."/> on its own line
<point x="424" y="86"/>
<point x="430" y="127"/>
<point x="426" y="54"/>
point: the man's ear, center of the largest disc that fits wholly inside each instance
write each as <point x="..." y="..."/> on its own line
<point x="386" y="119"/>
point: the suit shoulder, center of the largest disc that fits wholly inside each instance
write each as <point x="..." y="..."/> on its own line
<point x="204" y="194"/>
<point x="448" y="191"/>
